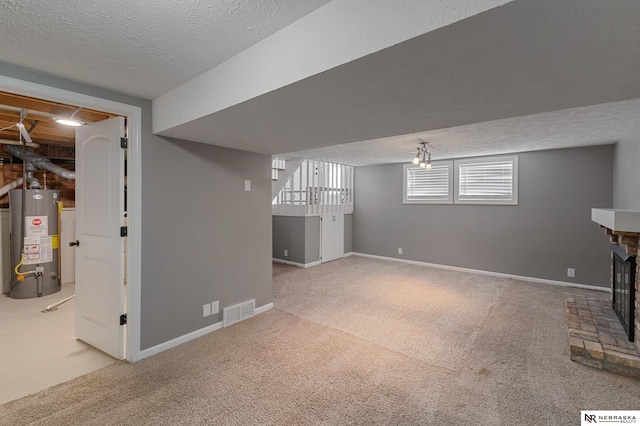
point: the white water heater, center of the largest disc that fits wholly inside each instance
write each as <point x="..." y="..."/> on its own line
<point x="37" y="228"/>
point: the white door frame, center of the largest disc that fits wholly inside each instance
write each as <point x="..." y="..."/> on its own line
<point x="134" y="188"/>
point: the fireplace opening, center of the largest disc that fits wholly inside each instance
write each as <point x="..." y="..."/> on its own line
<point x="623" y="279"/>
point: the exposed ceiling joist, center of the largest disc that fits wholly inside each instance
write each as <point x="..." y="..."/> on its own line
<point x="46" y="130"/>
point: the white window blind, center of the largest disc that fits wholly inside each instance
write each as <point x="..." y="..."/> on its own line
<point x="487" y="181"/>
<point x="429" y="186"/>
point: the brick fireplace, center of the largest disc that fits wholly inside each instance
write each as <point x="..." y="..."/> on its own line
<point x="623" y="229"/>
<point x="598" y="337"/>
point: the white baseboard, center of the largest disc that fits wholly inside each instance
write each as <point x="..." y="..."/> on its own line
<point x="263" y="308"/>
<point x="481" y="272"/>
<point x="179" y="340"/>
<point x="306" y="265"/>
<point x="299" y="265"/>
<point x="193" y="335"/>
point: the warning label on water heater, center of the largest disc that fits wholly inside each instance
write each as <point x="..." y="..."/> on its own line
<point x="38" y="250"/>
<point x="36" y="226"/>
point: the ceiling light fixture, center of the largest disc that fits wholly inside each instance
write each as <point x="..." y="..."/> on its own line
<point x="423" y="156"/>
<point x="69" y="121"/>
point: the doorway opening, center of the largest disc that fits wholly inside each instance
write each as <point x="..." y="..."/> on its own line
<point x="107" y="109"/>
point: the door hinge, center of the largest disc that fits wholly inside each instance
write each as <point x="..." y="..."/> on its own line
<point x="123" y="143"/>
<point x="123" y="231"/>
<point x="123" y="319"/>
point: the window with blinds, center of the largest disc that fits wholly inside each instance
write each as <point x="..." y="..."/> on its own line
<point x="429" y="186"/>
<point x="487" y="181"/>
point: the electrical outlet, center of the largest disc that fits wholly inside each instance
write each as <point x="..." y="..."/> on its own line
<point x="571" y="272"/>
<point x="215" y="307"/>
<point x="206" y="310"/>
<point x="399" y="251"/>
<point x="247" y="185"/>
<point x="286" y="252"/>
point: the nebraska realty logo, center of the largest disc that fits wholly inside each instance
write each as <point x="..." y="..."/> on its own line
<point x="595" y="417"/>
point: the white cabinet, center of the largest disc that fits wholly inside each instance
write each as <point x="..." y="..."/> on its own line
<point x="332" y="237"/>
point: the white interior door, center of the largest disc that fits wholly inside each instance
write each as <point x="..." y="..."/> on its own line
<point x="332" y="236"/>
<point x="100" y="252"/>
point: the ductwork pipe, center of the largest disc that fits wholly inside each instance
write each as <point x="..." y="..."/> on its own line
<point x="8" y="187"/>
<point x="40" y="161"/>
<point x="33" y="181"/>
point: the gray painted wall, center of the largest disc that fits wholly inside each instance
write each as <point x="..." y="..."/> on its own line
<point x="549" y="231"/>
<point x="206" y="238"/>
<point x="289" y="234"/>
<point x="299" y="235"/>
<point x="200" y="229"/>
<point x="312" y="239"/>
<point x="626" y="171"/>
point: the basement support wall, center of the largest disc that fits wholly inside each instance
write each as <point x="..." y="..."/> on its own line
<point x="208" y="239"/>
<point x="549" y="231"/>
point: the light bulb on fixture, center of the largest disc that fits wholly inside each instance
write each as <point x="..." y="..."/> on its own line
<point x="69" y="121"/>
<point x="423" y="156"/>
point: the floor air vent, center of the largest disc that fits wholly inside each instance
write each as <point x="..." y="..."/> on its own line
<point x="238" y="312"/>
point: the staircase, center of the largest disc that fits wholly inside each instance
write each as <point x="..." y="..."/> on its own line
<point x="281" y="171"/>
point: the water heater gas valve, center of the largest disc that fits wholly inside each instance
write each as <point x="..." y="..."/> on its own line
<point x="39" y="270"/>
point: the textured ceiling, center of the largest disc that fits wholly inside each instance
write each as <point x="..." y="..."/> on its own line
<point x="592" y="125"/>
<point x="142" y="48"/>
<point x="524" y="76"/>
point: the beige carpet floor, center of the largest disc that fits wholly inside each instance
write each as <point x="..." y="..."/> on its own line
<point x="357" y="341"/>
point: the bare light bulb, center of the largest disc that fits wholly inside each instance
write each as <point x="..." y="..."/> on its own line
<point x="68" y="121"/>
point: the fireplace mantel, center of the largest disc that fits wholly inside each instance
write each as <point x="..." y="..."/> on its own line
<point x="617" y="220"/>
